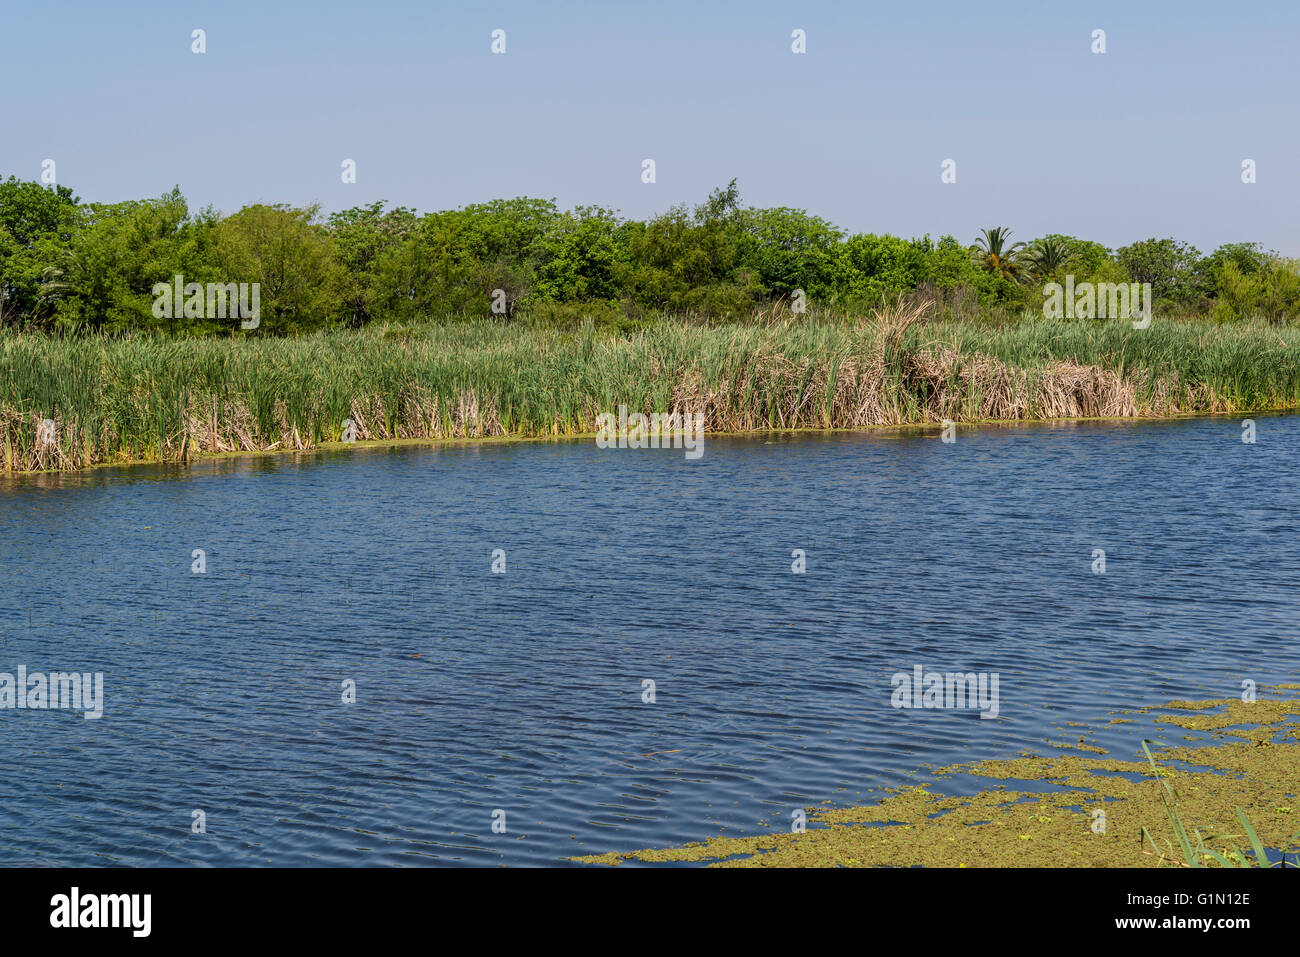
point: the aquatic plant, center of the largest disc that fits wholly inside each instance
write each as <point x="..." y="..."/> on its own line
<point x="156" y="398"/>
<point x="1194" y="849"/>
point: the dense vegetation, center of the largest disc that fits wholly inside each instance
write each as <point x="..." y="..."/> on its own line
<point x="72" y="267"/>
<point x="67" y="402"/>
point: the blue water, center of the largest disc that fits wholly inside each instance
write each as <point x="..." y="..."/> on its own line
<point x="523" y="691"/>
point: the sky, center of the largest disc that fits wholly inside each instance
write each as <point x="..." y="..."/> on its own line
<point x="1144" y="140"/>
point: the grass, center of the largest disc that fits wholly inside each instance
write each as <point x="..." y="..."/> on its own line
<point x="160" y="399"/>
<point x="1195" y="849"/>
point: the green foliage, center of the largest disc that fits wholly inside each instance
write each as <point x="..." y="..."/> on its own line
<point x="1171" y="267"/>
<point x="997" y="255"/>
<point x="1267" y="290"/>
<point x="579" y="257"/>
<point x="67" y="266"/>
<point x="134" y="396"/>
<point x="951" y="267"/>
<point x="787" y="249"/>
<point x="363" y="236"/>
<point x="692" y="262"/>
<point x="292" y="257"/>
<point x="1050" y="258"/>
<point x="103" y="278"/>
<point x="1248" y="259"/>
<point x="1088" y="261"/>
<point x="1194" y="848"/>
<point x="35" y="228"/>
<point x="870" y="269"/>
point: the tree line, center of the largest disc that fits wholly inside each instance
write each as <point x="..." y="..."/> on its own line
<point x="68" y="266"/>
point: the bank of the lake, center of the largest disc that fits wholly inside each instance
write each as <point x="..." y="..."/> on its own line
<point x="71" y="403"/>
<point x="1078" y="807"/>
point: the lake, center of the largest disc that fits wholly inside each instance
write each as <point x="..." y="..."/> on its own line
<point x="524" y="692"/>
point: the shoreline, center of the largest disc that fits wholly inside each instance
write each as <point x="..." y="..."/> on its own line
<point x="1094" y="816"/>
<point x="464" y="441"/>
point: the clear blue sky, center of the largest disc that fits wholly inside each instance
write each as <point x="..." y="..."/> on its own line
<point x="1145" y="140"/>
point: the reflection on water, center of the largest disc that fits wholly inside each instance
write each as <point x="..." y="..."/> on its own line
<point x="524" y="692"/>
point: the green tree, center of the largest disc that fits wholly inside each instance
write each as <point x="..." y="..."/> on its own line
<point x="103" y="279"/>
<point x="1049" y="259"/>
<point x="1248" y="258"/>
<point x="580" y="255"/>
<point x="1169" y="266"/>
<point x="361" y="238"/>
<point x="869" y="269"/>
<point x="788" y="249"/>
<point x="36" y="224"/>
<point x="996" y="254"/>
<point x="291" y="255"/>
<point x="691" y="261"/>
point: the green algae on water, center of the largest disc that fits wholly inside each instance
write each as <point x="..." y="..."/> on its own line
<point x="1092" y="817"/>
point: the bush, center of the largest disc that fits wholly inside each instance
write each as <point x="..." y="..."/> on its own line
<point x="291" y="256"/>
<point x="1271" y="291"/>
<point x="66" y="265"/>
<point x="1172" y="268"/>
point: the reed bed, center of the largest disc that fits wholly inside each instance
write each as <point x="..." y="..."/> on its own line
<point x="159" y="399"/>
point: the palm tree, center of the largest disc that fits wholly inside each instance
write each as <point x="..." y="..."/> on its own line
<point x="67" y="280"/>
<point x="995" y="256"/>
<point x="1049" y="258"/>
